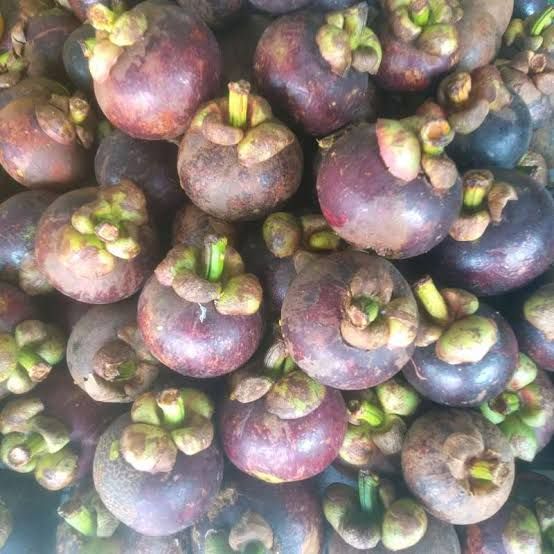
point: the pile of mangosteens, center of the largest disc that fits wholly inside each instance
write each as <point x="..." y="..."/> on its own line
<point x="276" y="276"/>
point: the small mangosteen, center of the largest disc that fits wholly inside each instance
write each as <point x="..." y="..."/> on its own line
<point x="200" y="313"/>
<point x="236" y="161"/>
<point x="466" y="351"/>
<point x="278" y="424"/>
<point x="74" y="59"/>
<point x="458" y="464"/>
<point x="315" y="67"/>
<point x="504" y="236"/>
<point x="95" y="244"/>
<point x="17" y="88"/>
<point x="389" y="187"/>
<point x="215" y="13"/>
<point x="15" y="307"/>
<point x="152" y="66"/>
<point x="46" y="142"/>
<point x="158" y="468"/>
<point x="350" y="320"/>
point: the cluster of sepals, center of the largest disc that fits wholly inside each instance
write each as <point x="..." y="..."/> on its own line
<point x="35" y="442"/>
<point x="106" y="229"/>
<point x="520" y="409"/>
<point x="28" y="354"/>
<point x="538" y="310"/>
<point x="429" y="24"/>
<point x="536" y="33"/>
<point x="372" y="318"/>
<point x="215" y="274"/>
<point x="484" y="202"/>
<point x="449" y="320"/>
<point x="373" y="513"/>
<point x="345" y="41"/>
<point x="12" y="68"/>
<point x="164" y="424"/>
<point x="245" y="121"/>
<point x="375" y="419"/>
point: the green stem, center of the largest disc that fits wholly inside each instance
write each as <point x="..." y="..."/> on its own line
<point x="432" y="300"/>
<point x="238" y="104"/>
<point x="474" y="197"/>
<point x="33" y="446"/>
<point x="79" y="517"/>
<point x="368" y="489"/>
<point x="215" y="260"/>
<point x="369" y="307"/>
<point x="28" y="359"/>
<point x="173" y="408"/>
<point x="366" y="411"/>
<point x="482" y="470"/>
<point x="544" y="20"/>
<point x="420" y="14"/>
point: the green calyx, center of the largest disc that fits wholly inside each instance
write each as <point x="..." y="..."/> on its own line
<point x="27" y="356"/>
<point x="542" y="22"/>
<point x="365" y="411"/>
<point x="163" y="424"/>
<point x="121" y="28"/>
<point x="503" y="405"/>
<point x="397" y="397"/>
<point x="521" y="436"/>
<point x="213" y="274"/>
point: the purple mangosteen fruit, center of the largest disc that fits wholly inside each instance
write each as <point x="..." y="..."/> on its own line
<point x="74" y="59"/>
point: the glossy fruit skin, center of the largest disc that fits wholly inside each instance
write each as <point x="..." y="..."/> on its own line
<point x="293" y="76"/>
<point x="36" y="86"/>
<point x="482" y="147"/>
<point x="291" y="509"/>
<point x="156" y="504"/>
<point x="310" y="320"/>
<point x="428" y="477"/>
<point x="195" y="339"/>
<point x="31" y="157"/>
<point x="149" y="164"/>
<point x="126" y="278"/>
<point x="215" y="13"/>
<point x="74" y="61"/>
<point x="277" y="7"/>
<point x="15" y="307"/>
<point x="19" y="217"/>
<point x="278" y="450"/>
<point x="511" y="253"/>
<point x="370" y="208"/>
<point x="154" y="97"/>
<point x="525" y="8"/>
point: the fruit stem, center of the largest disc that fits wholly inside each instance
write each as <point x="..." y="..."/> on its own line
<point x="23" y="453"/>
<point x="215" y="259"/>
<point x="171" y="403"/>
<point x="79" y="517"/>
<point x="324" y="240"/>
<point x="544" y="20"/>
<point x="420" y="12"/>
<point x="369" y="307"/>
<point x="238" y="103"/>
<point x="368" y="489"/>
<point x="35" y="366"/>
<point x="482" y="469"/>
<point x="366" y="411"/>
<point x="432" y="300"/>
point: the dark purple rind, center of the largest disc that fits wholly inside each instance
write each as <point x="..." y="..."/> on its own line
<point x="215" y="13"/>
<point x="534" y="343"/>
<point x="156" y="504"/>
<point x="157" y="84"/>
<point x="277" y="450"/>
<point x="511" y="253"/>
<point x="37" y="86"/>
<point x="525" y="8"/>
<point x="194" y="339"/>
<point x="294" y="77"/>
<point x="277" y="7"/>
<point x="311" y="317"/>
<point x="126" y="278"/>
<point x="370" y="208"/>
<point x="74" y="60"/>
<point x="15" y="307"/>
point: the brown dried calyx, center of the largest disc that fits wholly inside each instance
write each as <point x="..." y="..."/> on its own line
<point x="372" y="318"/>
<point x="535" y="33"/>
<point x="484" y="203"/>
<point x="105" y="230"/>
<point x="451" y="322"/>
<point x="345" y="41"/>
<point x="429" y="24"/>
<point x="164" y="424"/>
<point x="12" y="69"/>
<point x="215" y="274"/>
<point x="416" y="145"/>
<point x="467" y="98"/>
<point x="539" y="310"/>
<point x="534" y="164"/>
<point x="37" y="443"/>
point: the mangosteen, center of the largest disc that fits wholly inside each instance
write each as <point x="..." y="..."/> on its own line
<point x="466" y="351"/>
<point x="149" y="164"/>
<point x="350" y="320"/>
<point x="534" y="327"/>
<point x="314" y="68"/>
<point x="95" y="244"/>
<point x="389" y="187"/>
<point x="278" y="424"/>
<point x="200" y="313"/>
<point x="15" y="307"/>
<point x="458" y="464"/>
<point x="46" y="142"/>
<point x="480" y="109"/>
<point x="17" y="88"/>
<point x="74" y="59"/>
<point x="215" y="13"/>
<point x="152" y="66"/>
<point x="158" y="468"/>
<point x="248" y="513"/>
<point x="503" y="238"/>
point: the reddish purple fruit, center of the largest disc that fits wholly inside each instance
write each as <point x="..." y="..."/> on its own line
<point x="15" y="307"/>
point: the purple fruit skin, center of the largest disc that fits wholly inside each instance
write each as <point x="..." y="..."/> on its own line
<point x="511" y="253"/>
<point x="15" y="307"/>
<point x="127" y="276"/>
<point x="466" y="385"/>
<point x="194" y="339"/>
<point x="278" y="450"/>
<point x="291" y="73"/>
<point x="370" y="208"/>
<point x="279" y="6"/>
<point x="311" y="317"/>
<point x="37" y="86"/>
<point x="156" y="504"/>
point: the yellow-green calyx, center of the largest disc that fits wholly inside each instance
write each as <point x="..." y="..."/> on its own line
<point x="165" y="423"/>
<point x="34" y="442"/>
<point x="538" y="310"/>
<point x="345" y="41"/>
<point x="429" y="24"/>
<point x="534" y="33"/>
<point x="212" y="274"/>
<point x="105" y="230"/>
<point x="28" y="355"/>
<point x="484" y="203"/>
<point x="12" y="68"/>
